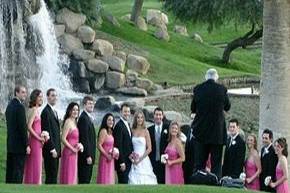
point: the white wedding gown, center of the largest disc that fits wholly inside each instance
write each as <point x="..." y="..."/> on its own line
<point x="142" y="173"/>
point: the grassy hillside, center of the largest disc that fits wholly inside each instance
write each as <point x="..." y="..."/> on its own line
<point x="182" y="60"/>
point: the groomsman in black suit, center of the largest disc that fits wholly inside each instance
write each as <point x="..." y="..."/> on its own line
<point x="188" y="164"/>
<point x="122" y="136"/>
<point x="159" y="140"/>
<point x="51" y="149"/>
<point x="209" y="102"/>
<point x="87" y="137"/>
<point x="17" y="141"/>
<point x="268" y="160"/>
<point x="235" y="151"/>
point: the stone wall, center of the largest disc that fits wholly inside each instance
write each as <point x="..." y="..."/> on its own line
<point x="95" y="64"/>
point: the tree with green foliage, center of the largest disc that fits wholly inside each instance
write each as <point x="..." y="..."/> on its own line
<point x="220" y="12"/>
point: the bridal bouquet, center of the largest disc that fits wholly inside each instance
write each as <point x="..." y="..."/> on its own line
<point x="80" y="147"/>
<point x="267" y="180"/>
<point x="45" y="135"/>
<point x="134" y="157"/>
<point x="243" y="176"/>
<point x="164" y="158"/>
<point x="115" y="153"/>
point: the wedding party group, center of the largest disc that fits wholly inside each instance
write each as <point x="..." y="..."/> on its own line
<point x="132" y="152"/>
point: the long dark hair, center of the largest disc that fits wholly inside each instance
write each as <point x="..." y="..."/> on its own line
<point x="33" y="97"/>
<point x="283" y="143"/>
<point x="69" y="111"/>
<point x="104" y="123"/>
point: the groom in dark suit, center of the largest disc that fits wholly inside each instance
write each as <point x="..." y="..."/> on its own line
<point x="268" y="160"/>
<point x="87" y="137"/>
<point x="17" y="141"/>
<point x="210" y="100"/>
<point x="122" y="136"/>
<point x="51" y="149"/>
<point x="235" y="151"/>
<point x="159" y="136"/>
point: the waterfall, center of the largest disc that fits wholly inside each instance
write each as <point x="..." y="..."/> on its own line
<point x="30" y="54"/>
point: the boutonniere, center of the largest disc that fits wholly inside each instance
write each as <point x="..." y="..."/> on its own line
<point x="165" y="131"/>
<point x="266" y="151"/>
<point x="234" y="142"/>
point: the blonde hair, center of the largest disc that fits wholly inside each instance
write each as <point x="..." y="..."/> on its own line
<point x="135" y="124"/>
<point x="170" y="126"/>
<point x="255" y="140"/>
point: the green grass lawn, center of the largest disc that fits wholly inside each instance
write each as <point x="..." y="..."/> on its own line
<point x="115" y="188"/>
<point x="182" y="60"/>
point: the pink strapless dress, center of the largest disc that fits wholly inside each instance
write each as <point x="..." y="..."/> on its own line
<point x="173" y="173"/>
<point x="282" y="188"/>
<point x="33" y="163"/>
<point x="106" y="168"/>
<point x="69" y="160"/>
<point x="251" y="169"/>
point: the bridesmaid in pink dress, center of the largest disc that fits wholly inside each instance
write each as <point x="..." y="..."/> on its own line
<point x="175" y="151"/>
<point x="252" y="164"/>
<point x="105" y="145"/>
<point x="33" y="163"/>
<point x="70" y="139"/>
<point x="281" y="184"/>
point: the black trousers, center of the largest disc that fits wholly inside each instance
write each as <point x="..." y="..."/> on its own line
<point x="51" y="168"/>
<point x="202" y="152"/>
<point x="84" y="171"/>
<point x="188" y="164"/>
<point x="159" y="171"/>
<point x="15" y="168"/>
<point x="123" y="177"/>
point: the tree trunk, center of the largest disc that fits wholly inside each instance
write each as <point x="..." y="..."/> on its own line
<point x="248" y="39"/>
<point x="136" y="10"/>
<point x="275" y="73"/>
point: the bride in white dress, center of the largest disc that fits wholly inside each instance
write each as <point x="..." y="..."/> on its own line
<point x="141" y="170"/>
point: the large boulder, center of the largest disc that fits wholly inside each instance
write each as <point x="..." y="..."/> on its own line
<point x="86" y="34"/>
<point x="79" y="70"/>
<point x="103" y="47"/>
<point x="69" y="43"/>
<point x="138" y="63"/>
<point x="115" y="80"/>
<point x="197" y="37"/>
<point x="121" y="54"/>
<point x="105" y="102"/>
<point x="131" y="78"/>
<point x="83" y="85"/>
<point x="126" y="17"/>
<point x="156" y="18"/>
<point x="82" y="54"/>
<point x="141" y="24"/>
<point x="162" y="34"/>
<point x="144" y="83"/>
<point x="132" y="91"/>
<point x="59" y="30"/>
<point x="164" y="18"/>
<point x="98" y="82"/>
<point x="71" y="20"/>
<point x="115" y="63"/>
<point x="182" y="30"/>
<point x="97" y="66"/>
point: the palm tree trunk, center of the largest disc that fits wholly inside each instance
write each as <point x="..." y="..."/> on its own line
<point x="136" y="10"/>
<point x="275" y="74"/>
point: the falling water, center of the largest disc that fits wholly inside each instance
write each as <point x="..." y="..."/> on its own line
<point x="29" y="53"/>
